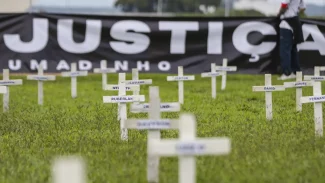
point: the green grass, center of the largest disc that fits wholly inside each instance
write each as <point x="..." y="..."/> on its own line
<point x="283" y="150"/>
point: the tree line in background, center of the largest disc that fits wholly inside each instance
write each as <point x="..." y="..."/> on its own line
<point x="177" y="6"/>
<point x="186" y="8"/>
<point x="182" y="7"/>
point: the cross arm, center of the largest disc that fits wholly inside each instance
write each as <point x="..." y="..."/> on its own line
<point x="298" y="84"/>
<point x="139" y="82"/>
<point x="180" y="78"/>
<point x="269" y="88"/>
<point x="210" y="74"/>
<point x="164" y="107"/>
<point x="104" y="71"/>
<point x="123" y="99"/>
<point x="312" y="99"/>
<point x="41" y="77"/>
<point x="127" y="88"/>
<point x="228" y="68"/>
<point x="211" y="146"/>
<point x="151" y="124"/>
<point x="314" y="78"/>
<point x="11" y="82"/>
<point x="74" y="74"/>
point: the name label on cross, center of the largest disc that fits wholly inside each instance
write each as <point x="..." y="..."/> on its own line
<point x="210" y="74"/>
<point x="75" y="73"/>
<point x="42" y="78"/>
<point x="269" y="88"/>
<point x="108" y="70"/>
<point x="190" y="148"/>
<point x="226" y="69"/>
<point x="7" y="82"/>
<point x="138" y="82"/>
<point x="117" y="88"/>
<point x="162" y="106"/>
<point x="317" y="98"/>
<point x="153" y="124"/>
<point x="301" y="84"/>
<point x="317" y="78"/>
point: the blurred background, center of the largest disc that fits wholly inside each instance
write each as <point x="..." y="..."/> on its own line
<point x="315" y="8"/>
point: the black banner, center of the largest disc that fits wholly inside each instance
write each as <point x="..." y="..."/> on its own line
<point x="151" y="44"/>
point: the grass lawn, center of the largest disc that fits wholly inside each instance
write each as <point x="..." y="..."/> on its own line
<point x="283" y="150"/>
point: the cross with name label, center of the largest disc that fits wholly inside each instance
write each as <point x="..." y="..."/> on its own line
<point x="134" y="88"/>
<point x="316" y="76"/>
<point x="180" y="78"/>
<point x="268" y="89"/>
<point x="74" y="74"/>
<point x="122" y="99"/>
<point x="70" y="169"/>
<point x="224" y="69"/>
<point x="213" y="74"/>
<point x="188" y="146"/>
<point x="104" y="71"/>
<point x="40" y="77"/>
<point x="317" y="99"/>
<point x="298" y="85"/>
<point x="154" y="124"/>
<point x="7" y="82"/>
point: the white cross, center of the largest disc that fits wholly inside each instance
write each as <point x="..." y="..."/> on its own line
<point x="154" y="124"/>
<point x="69" y="170"/>
<point x="317" y="99"/>
<point x="188" y="146"/>
<point x="104" y="70"/>
<point x="224" y="69"/>
<point x="40" y="77"/>
<point x="316" y="76"/>
<point x="180" y="78"/>
<point x="7" y="82"/>
<point x="122" y="99"/>
<point x="73" y="74"/>
<point x="213" y="74"/>
<point x="133" y="88"/>
<point x="135" y="77"/>
<point x="268" y="89"/>
<point x="298" y="85"/>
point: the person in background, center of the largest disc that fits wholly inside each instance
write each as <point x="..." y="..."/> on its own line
<point x="290" y="36"/>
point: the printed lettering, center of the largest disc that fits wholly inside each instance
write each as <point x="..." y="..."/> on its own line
<point x="181" y="78"/>
<point x="318" y="98"/>
<point x="317" y="78"/>
<point x="161" y="124"/>
<point x="269" y="88"/>
<point x="190" y="148"/>
<point x="301" y="84"/>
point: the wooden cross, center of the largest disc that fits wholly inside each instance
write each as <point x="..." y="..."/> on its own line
<point x="122" y="99"/>
<point x="154" y="124"/>
<point x="74" y="74"/>
<point x="104" y="70"/>
<point x="317" y="99"/>
<point x="40" y="77"/>
<point x="316" y="76"/>
<point x="224" y="69"/>
<point x="69" y="170"/>
<point x="268" y="89"/>
<point x="7" y="82"/>
<point x="188" y="146"/>
<point x="180" y="78"/>
<point x="213" y="74"/>
<point x="298" y="85"/>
